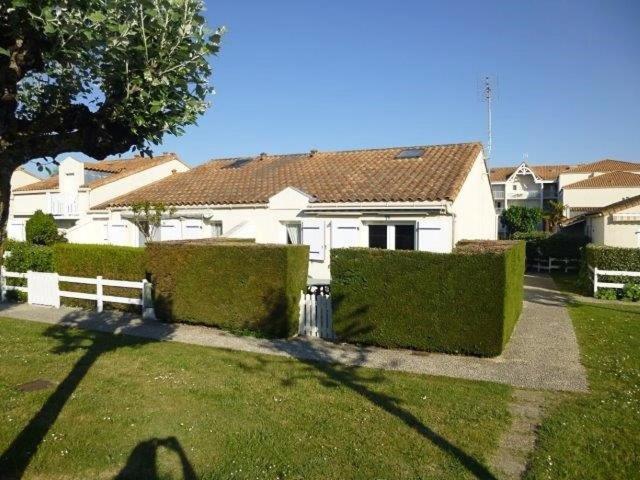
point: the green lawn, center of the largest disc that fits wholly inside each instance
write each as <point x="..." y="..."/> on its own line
<point x="597" y="435"/>
<point x="128" y="408"/>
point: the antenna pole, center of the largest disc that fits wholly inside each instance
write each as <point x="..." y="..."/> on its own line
<point x="488" y="95"/>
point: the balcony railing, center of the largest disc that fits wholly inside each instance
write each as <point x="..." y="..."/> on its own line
<point x="516" y="195"/>
<point x="63" y="207"/>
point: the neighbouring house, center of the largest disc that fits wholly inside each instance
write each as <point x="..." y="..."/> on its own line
<point x="22" y="177"/>
<point x="616" y="225"/>
<point x="79" y="186"/>
<point x="581" y="188"/>
<point x="411" y="198"/>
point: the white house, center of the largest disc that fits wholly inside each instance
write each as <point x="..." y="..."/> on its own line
<point x="22" y="177"/>
<point x="78" y="187"/>
<point x="616" y="225"/>
<point x="414" y="198"/>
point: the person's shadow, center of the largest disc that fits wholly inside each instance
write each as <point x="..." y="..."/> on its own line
<point x="142" y="462"/>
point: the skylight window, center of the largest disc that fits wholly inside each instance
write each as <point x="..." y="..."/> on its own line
<point x="411" y="153"/>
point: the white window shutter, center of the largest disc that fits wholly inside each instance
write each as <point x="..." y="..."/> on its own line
<point x="105" y="233"/>
<point x="345" y="233"/>
<point x="434" y="234"/>
<point x="193" y="229"/>
<point x="313" y="235"/>
<point x="170" y="230"/>
<point x="118" y="234"/>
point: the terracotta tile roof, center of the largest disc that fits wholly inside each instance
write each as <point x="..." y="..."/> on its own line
<point x="346" y="176"/>
<point x="585" y="209"/>
<point x="545" y="172"/>
<point x="606" y="165"/>
<point x="608" y="180"/>
<point x="617" y="206"/>
<point x="116" y="168"/>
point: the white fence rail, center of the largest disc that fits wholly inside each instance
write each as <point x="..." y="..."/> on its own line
<point x="596" y="272"/>
<point x="44" y="289"/>
<point x="315" y="315"/>
<point x="547" y="264"/>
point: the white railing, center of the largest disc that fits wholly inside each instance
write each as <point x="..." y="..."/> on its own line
<point x="548" y="264"/>
<point x="519" y="195"/>
<point x="315" y="315"/>
<point x="63" y="207"/>
<point x="44" y="289"/>
<point x="498" y="194"/>
<point x="596" y="272"/>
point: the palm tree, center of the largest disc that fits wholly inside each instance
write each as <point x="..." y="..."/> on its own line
<point x="555" y="215"/>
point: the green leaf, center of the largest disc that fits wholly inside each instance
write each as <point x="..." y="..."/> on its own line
<point x="97" y="17"/>
<point x="4" y="51"/>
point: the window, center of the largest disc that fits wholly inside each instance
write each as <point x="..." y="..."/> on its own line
<point x="411" y="153"/>
<point x="405" y="237"/>
<point x="514" y="187"/>
<point x="377" y="236"/>
<point x="216" y="229"/>
<point x="294" y="236"/>
<point x="499" y="204"/>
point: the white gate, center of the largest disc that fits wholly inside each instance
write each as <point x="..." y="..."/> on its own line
<point x="315" y="315"/>
<point x="42" y="289"/>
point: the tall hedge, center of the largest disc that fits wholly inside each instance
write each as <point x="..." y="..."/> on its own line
<point x="109" y="261"/>
<point x="464" y="302"/>
<point x="236" y="286"/>
<point x="608" y="258"/>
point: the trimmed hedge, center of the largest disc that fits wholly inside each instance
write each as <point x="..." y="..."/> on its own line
<point x="608" y="258"/>
<point x="79" y="260"/>
<point x="236" y="286"/>
<point x="109" y="261"/>
<point x="557" y="245"/>
<point x="464" y="302"/>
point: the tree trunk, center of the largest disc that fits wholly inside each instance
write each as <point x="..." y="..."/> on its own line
<point x="5" y="194"/>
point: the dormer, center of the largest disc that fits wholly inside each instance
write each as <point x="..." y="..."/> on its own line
<point x="71" y="175"/>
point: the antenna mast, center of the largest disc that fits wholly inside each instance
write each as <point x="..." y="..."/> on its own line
<point x="488" y="97"/>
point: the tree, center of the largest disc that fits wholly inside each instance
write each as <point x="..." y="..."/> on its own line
<point x="521" y="219"/>
<point x="555" y="215"/>
<point x="147" y="217"/>
<point x="97" y="76"/>
<point x="41" y="229"/>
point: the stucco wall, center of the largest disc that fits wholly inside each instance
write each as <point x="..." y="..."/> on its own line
<point x="20" y="178"/>
<point x="595" y="197"/>
<point x="474" y="208"/>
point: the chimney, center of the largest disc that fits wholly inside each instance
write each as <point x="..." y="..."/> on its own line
<point x="313" y="152"/>
<point x="263" y="155"/>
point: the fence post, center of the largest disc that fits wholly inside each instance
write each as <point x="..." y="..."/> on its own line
<point x="99" y="302"/>
<point x="302" y="307"/>
<point x="595" y="281"/>
<point x="550" y="260"/>
<point x="148" y="313"/>
<point x="3" y="284"/>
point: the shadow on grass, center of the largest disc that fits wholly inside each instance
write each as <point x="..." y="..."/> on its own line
<point x="16" y="457"/>
<point x="143" y="460"/>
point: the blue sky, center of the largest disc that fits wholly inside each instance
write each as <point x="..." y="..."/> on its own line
<point x="296" y="75"/>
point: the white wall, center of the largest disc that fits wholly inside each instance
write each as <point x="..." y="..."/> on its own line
<point x="132" y="182"/>
<point x="565" y="179"/>
<point x="595" y="197"/>
<point x="475" y="216"/>
<point x="22" y="178"/>
<point x="611" y="231"/>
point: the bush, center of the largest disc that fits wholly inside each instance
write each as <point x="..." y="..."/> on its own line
<point x="41" y="229"/>
<point x="236" y="286"/>
<point x="608" y="258"/>
<point x="558" y="245"/>
<point x="607" y="294"/>
<point x="22" y="258"/>
<point x="521" y="219"/>
<point x="468" y="301"/>
<point x="631" y="292"/>
<point x="109" y="261"/>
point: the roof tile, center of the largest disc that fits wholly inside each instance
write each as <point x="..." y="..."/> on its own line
<point x="345" y="176"/>
<point x="608" y="180"/>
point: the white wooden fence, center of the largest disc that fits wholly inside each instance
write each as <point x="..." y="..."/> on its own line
<point x="548" y="264"/>
<point x="596" y="272"/>
<point x="44" y="289"/>
<point x="315" y="315"/>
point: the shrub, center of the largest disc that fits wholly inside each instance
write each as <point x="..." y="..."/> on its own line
<point x="109" y="261"/>
<point x="41" y="229"/>
<point x="631" y="292"/>
<point x="607" y="294"/>
<point x="22" y="258"/>
<point x="608" y="258"/>
<point x="521" y="219"/>
<point x="467" y="301"/>
<point x="236" y="286"/>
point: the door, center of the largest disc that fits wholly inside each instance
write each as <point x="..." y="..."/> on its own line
<point x="42" y="289"/>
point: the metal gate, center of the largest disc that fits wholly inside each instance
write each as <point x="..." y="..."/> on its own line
<point x="42" y="289"/>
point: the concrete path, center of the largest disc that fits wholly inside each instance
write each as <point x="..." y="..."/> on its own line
<point x="542" y="354"/>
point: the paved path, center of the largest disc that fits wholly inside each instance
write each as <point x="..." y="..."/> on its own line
<point x="542" y="354"/>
